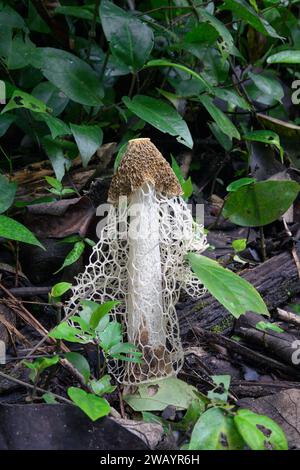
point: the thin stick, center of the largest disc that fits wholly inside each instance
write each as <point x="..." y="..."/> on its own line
<point x="262" y="244"/>
<point x="32" y="387"/>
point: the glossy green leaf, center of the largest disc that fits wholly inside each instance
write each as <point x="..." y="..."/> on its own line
<point x="131" y="40"/>
<point x="239" y="245"/>
<point x="70" y="74"/>
<point x="56" y="155"/>
<point x="216" y="430"/>
<point x="264" y="326"/>
<point x="258" y="204"/>
<point x="57" y="126"/>
<point x="13" y="230"/>
<point x="251" y="425"/>
<point x="80" y="363"/>
<point x="267" y="85"/>
<point x="103" y="385"/>
<point x="285" y="57"/>
<point x="20" y="99"/>
<point x="60" y="289"/>
<point x="224" y="123"/>
<point x="88" y="140"/>
<point x="244" y="11"/>
<point x="73" y="256"/>
<point x="94" y="407"/>
<point x="231" y="290"/>
<point x="237" y="184"/>
<point x="161" y="116"/>
<point x="7" y="193"/>
<point x="100" y="311"/>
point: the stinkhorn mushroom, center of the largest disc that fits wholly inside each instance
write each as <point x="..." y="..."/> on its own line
<point x="144" y="266"/>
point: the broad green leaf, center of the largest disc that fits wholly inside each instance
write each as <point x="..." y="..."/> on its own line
<point x="224" y="123"/>
<point x="216" y="430"/>
<point x="285" y="57"/>
<point x="20" y="99"/>
<point x="223" y="139"/>
<point x="7" y="193"/>
<point x="73" y="256"/>
<point x="56" y="155"/>
<point x="67" y="332"/>
<point x="264" y="326"/>
<point x="88" y="140"/>
<point x="258" y="204"/>
<point x="231" y="290"/>
<point x="39" y="365"/>
<point x="110" y="336"/>
<point x="101" y="311"/>
<point x="80" y="363"/>
<point x="235" y="185"/>
<point x="158" y="395"/>
<point x="5" y="121"/>
<point x="54" y="183"/>
<point x="55" y="99"/>
<point x="13" y="230"/>
<point x="244" y="11"/>
<point x="232" y="98"/>
<point x="78" y="12"/>
<point x="70" y="74"/>
<point x="266" y="137"/>
<point x="102" y="386"/>
<point x="222" y="382"/>
<point x="239" y="245"/>
<point x="267" y="85"/>
<point x="94" y="407"/>
<point x="131" y="40"/>
<point x="60" y="289"/>
<point x="49" y="398"/>
<point x="250" y="427"/>
<point x="161" y="116"/>
<point x="183" y="68"/>
<point x="10" y="18"/>
<point x="57" y="126"/>
<point x="220" y="28"/>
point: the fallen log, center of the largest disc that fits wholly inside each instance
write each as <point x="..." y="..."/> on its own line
<point x="276" y="279"/>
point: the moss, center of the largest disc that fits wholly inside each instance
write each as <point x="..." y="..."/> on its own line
<point x="224" y="324"/>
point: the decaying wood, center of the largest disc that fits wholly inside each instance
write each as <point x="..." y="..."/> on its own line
<point x="276" y="280"/>
<point x="280" y="345"/>
<point x="248" y="355"/>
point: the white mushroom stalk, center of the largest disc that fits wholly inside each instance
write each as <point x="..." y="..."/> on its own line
<point x="140" y="261"/>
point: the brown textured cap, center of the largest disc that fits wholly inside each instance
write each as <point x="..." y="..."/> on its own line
<point x="143" y="163"/>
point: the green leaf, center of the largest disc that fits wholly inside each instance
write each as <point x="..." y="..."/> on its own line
<point x="186" y="185"/>
<point x="131" y="40"/>
<point x="264" y="326"/>
<point x="54" y="183"/>
<point x="102" y="386"/>
<point x="20" y="99"/>
<point x="55" y="154"/>
<point x="245" y="12"/>
<point x="100" y="311"/>
<point x="224" y="123"/>
<point x="88" y="140"/>
<point x="267" y="85"/>
<point x="183" y="68"/>
<point x="73" y="256"/>
<point x="60" y="289"/>
<point x="7" y="193"/>
<point x="11" y="19"/>
<point x="66" y="332"/>
<point x="13" y="230"/>
<point x="119" y="156"/>
<point x="223" y="139"/>
<point x="231" y="97"/>
<point x="5" y="121"/>
<point x="70" y="74"/>
<point x="220" y="28"/>
<point x="78" y="12"/>
<point x="215" y="430"/>
<point x="57" y="126"/>
<point x="247" y="423"/>
<point x="222" y="382"/>
<point x="49" y="398"/>
<point x="285" y="57"/>
<point x="161" y="116"/>
<point x="158" y="395"/>
<point x="110" y="336"/>
<point x="266" y="137"/>
<point x="231" y="290"/>
<point x="94" y="407"/>
<point x="239" y="245"/>
<point x="51" y="96"/>
<point x="258" y="204"/>
<point x="235" y="185"/>
<point x="80" y="363"/>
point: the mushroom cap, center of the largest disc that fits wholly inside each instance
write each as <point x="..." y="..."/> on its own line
<point x="143" y="163"/>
